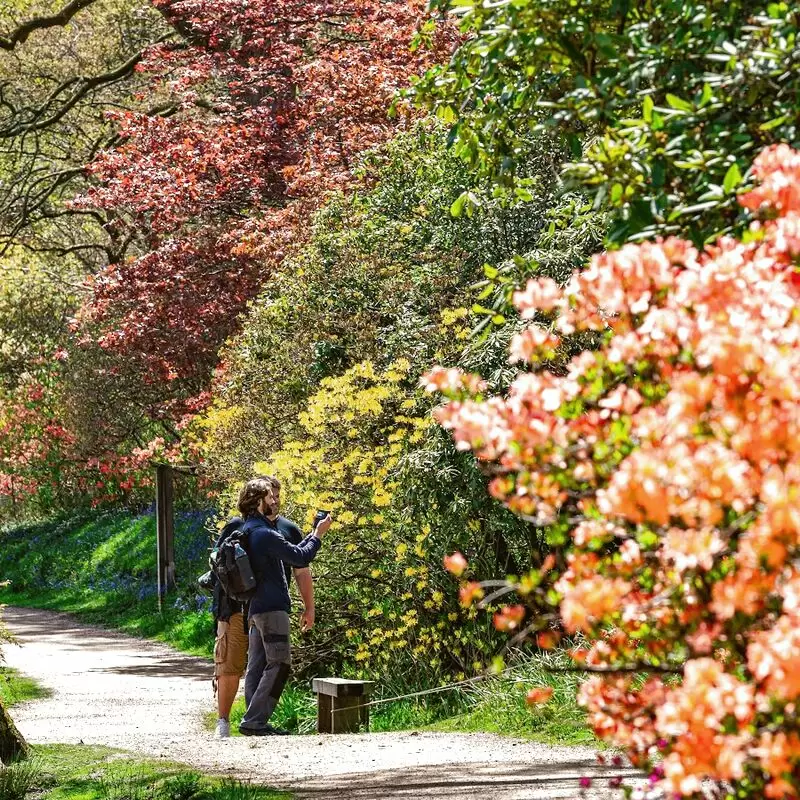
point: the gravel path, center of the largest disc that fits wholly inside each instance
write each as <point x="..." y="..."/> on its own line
<point x="115" y="690"/>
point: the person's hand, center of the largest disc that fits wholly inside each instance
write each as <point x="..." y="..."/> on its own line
<point x="307" y="619"/>
<point x="323" y="526"/>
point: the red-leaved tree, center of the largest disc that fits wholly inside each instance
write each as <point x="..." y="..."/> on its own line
<point x="666" y="465"/>
<point x="266" y="106"/>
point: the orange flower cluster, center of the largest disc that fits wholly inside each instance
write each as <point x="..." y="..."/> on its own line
<point x="671" y="453"/>
<point x="708" y="719"/>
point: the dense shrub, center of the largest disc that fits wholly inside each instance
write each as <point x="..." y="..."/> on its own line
<point x="664" y="103"/>
<point x="666" y="466"/>
<point x="382" y="266"/>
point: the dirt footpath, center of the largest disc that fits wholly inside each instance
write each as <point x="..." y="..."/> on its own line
<point x="141" y="696"/>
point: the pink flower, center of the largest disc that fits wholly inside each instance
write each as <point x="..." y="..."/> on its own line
<point x="542" y="294"/>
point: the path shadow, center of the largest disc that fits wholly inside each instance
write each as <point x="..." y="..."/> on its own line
<point x="504" y="781"/>
<point x="40" y="625"/>
<point x="166" y="667"/>
<point x="37" y="624"/>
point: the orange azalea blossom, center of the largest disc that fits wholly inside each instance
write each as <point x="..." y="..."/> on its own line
<point x="538" y="696"/>
<point x="702" y="754"/>
<point x="622" y="715"/>
<point x="591" y="529"/>
<point x="669" y="456"/>
<point x="614" y="648"/>
<point x="745" y="590"/>
<point x="455" y="563"/>
<point x="529" y="344"/>
<point x="778" y="171"/>
<point x="780" y="493"/>
<point x="773" y="657"/>
<point x="592" y="601"/>
<point x="539" y="295"/>
<point x="470" y="593"/>
<point x="691" y="549"/>
<point x="762" y="547"/>
<point x="790" y="592"/>
<point x="547" y="640"/>
<point x="630" y="556"/>
<point x="509" y="618"/>
<point x="780" y="789"/>
<point x="702" y="640"/>
<point x="440" y="379"/>
<point x="707" y="695"/>
<point x="778" y="752"/>
<point x="693" y="715"/>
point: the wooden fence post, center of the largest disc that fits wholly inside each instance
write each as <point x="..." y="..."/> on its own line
<point x="341" y="704"/>
<point x="165" y="530"/>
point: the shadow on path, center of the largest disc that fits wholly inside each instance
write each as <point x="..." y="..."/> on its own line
<point x="172" y="667"/>
<point x="466" y="781"/>
<point x="64" y="632"/>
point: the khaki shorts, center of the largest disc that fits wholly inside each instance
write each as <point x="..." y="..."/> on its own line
<point x="230" y="648"/>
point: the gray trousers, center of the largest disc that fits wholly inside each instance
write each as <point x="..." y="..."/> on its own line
<point x="269" y="661"/>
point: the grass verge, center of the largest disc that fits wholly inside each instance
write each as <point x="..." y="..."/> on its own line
<point x="78" y="772"/>
<point x="496" y="705"/>
<point x="16" y="688"/>
<point x="297" y="712"/>
<point x="101" y="567"/>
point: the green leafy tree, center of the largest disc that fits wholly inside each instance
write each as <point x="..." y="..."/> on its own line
<point x="62" y="66"/>
<point x="380" y="267"/>
<point x="664" y="103"/>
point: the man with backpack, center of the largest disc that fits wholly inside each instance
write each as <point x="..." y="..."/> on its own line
<point x="269" y="654"/>
<point x="231" y="613"/>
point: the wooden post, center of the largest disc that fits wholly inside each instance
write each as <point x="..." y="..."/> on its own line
<point x="340" y="704"/>
<point x="165" y="530"/>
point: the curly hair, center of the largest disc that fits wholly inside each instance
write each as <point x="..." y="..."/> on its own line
<point x="253" y="492"/>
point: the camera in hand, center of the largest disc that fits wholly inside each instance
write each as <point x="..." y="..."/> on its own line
<point x="318" y="517"/>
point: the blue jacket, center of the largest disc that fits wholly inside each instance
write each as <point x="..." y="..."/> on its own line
<point x="268" y="551"/>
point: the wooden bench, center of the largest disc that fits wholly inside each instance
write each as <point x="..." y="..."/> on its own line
<point x="340" y="704"/>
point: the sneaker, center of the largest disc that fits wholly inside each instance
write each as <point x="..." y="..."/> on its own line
<point x="223" y="730"/>
<point x="254" y="731"/>
<point x="267" y="730"/>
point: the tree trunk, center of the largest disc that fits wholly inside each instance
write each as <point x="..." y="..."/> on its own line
<point x="12" y="745"/>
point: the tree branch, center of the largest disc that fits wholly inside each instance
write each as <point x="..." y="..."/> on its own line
<point x="60" y="19"/>
<point x="84" y="86"/>
<point x="648" y="668"/>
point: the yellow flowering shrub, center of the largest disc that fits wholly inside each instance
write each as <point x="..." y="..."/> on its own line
<point x="384" y="603"/>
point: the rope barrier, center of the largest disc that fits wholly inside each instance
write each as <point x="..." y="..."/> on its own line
<point x="423" y="692"/>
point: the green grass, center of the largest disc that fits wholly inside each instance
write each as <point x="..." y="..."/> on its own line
<point x="16" y="688"/>
<point x="297" y="712"/>
<point x="102" y="568"/>
<point x="498" y="705"/>
<point x="77" y="772"/>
